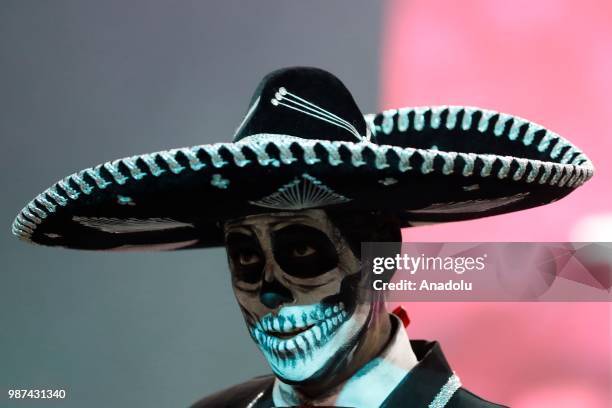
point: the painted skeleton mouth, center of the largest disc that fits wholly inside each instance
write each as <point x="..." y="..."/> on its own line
<point x="289" y="334"/>
<point x="285" y="335"/>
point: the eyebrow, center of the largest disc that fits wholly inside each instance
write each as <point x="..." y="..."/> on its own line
<point x="240" y="223"/>
<point x="238" y="229"/>
<point x="299" y="219"/>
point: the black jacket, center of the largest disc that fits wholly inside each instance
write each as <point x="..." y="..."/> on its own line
<point x="430" y="384"/>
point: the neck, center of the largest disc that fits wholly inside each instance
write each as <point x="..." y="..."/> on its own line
<point x="382" y="359"/>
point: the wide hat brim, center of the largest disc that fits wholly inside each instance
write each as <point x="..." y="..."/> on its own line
<point x="434" y="164"/>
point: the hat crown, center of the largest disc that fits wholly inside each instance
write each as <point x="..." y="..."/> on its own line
<point x="309" y="103"/>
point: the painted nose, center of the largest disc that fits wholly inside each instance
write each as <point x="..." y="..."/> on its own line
<point x="273" y="294"/>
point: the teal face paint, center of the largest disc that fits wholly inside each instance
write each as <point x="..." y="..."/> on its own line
<point x="292" y="274"/>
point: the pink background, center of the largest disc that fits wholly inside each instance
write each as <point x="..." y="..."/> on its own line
<point x="551" y="62"/>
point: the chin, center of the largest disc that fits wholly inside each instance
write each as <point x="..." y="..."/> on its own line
<point x="300" y="342"/>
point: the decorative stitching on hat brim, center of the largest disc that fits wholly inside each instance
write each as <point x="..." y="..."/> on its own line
<point x="572" y="171"/>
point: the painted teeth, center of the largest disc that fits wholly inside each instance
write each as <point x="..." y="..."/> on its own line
<point x="301" y="343"/>
<point x="291" y="345"/>
<point x="317" y="332"/>
<point x="309" y="338"/>
<point x="286" y="325"/>
<point x="318" y="326"/>
<point x="326" y="327"/>
<point x="324" y="323"/>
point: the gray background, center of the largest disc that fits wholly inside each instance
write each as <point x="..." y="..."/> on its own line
<point x="83" y="82"/>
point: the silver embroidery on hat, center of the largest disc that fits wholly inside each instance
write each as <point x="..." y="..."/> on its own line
<point x="387" y="122"/>
<point x="70" y="192"/>
<point x="219" y="182"/>
<point x="557" y="175"/>
<point x="369" y="119"/>
<point x="533" y="173"/>
<point x="466" y="122"/>
<point x="532" y="128"/>
<point x="506" y="161"/>
<point x="501" y="124"/>
<point x="545" y="142"/>
<point x="24" y="221"/>
<point x="191" y="155"/>
<point x="52" y="192"/>
<point x="566" y="177"/>
<point x="46" y="203"/>
<point x="381" y="157"/>
<point x="130" y="163"/>
<point x="24" y="224"/>
<point x="168" y="157"/>
<point x="404" y="156"/>
<point x="514" y="129"/>
<point x="289" y="100"/>
<point x="419" y="118"/>
<point x="548" y="169"/>
<point x="301" y="193"/>
<point x="149" y="160"/>
<point x="357" y="155"/>
<point x="402" y="120"/>
<point x="125" y="200"/>
<point x="567" y="157"/>
<point x="31" y="216"/>
<point x="83" y="185"/>
<point x="483" y="123"/>
<point x="436" y="113"/>
<point x="333" y="156"/>
<point x="522" y="167"/>
<point x="388" y="181"/>
<point x="215" y="157"/>
<point x="113" y="169"/>
<point x="468" y="167"/>
<point x="32" y="206"/>
<point x="449" y="162"/>
<point x="428" y="161"/>
<point x="487" y="164"/>
<point x="129" y="225"/>
<point x="451" y="119"/>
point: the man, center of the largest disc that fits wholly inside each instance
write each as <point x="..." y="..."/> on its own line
<point x="305" y="181"/>
<point x="329" y="340"/>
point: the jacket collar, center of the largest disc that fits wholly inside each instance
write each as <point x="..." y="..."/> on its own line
<point x="430" y="383"/>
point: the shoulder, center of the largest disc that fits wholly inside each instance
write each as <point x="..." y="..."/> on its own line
<point x="237" y="395"/>
<point x="466" y="399"/>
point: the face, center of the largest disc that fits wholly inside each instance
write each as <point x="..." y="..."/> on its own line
<point x="296" y="281"/>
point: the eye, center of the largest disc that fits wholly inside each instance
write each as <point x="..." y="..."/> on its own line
<point x="303" y="250"/>
<point x="248" y="258"/>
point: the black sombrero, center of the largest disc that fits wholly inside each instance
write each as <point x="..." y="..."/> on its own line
<point x="305" y="144"/>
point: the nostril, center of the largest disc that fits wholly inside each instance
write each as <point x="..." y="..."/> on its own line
<point x="273" y="300"/>
<point x="274" y="294"/>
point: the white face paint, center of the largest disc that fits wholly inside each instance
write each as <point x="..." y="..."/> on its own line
<point x="296" y="281"/>
<point x="297" y="352"/>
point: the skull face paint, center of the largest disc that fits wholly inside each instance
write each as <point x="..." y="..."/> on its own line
<point x="296" y="281"/>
